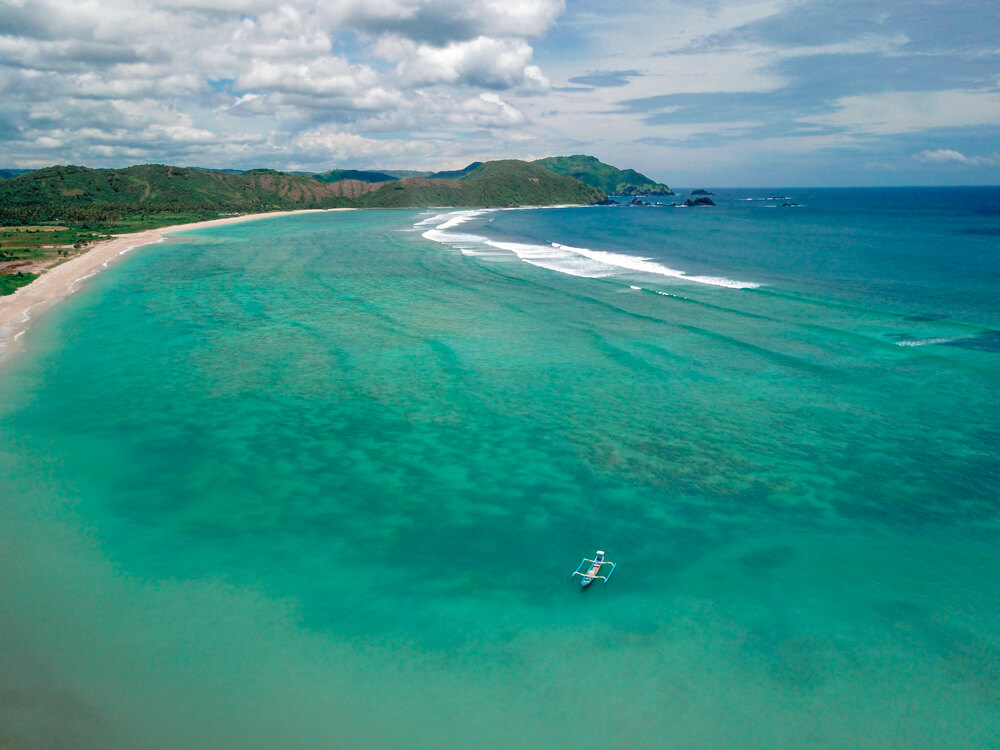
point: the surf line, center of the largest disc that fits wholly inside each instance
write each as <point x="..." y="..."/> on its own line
<point x="574" y="261"/>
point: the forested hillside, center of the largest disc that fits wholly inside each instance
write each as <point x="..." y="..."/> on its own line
<point x="611" y="180"/>
<point x="72" y="194"/>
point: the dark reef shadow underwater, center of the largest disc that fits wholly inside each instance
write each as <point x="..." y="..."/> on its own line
<point x="320" y="482"/>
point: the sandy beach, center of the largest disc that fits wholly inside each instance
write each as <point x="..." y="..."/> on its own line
<point x="18" y="309"/>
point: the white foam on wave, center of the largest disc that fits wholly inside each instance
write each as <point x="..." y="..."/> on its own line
<point x="451" y="219"/>
<point x="925" y="342"/>
<point x="575" y="261"/>
<point x="646" y="265"/>
<point x="555" y="258"/>
<point x="129" y="249"/>
<point x="11" y="327"/>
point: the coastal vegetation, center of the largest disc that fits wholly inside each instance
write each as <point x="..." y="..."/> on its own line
<point x="27" y="250"/>
<point x="596" y="173"/>
<point x="493" y="184"/>
<point x="75" y="195"/>
<point x="11" y="282"/>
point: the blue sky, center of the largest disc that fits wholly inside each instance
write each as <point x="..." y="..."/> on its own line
<point x="759" y="92"/>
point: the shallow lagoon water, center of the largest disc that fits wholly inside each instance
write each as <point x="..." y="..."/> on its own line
<point x="319" y="482"/>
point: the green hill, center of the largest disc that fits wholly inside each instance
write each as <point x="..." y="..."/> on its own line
<point x="493" y="184"/>
<point x="611" y="180"/>
<point x="73" y="194"/>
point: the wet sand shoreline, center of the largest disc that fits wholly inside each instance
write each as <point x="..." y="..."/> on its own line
<point x="18" y="309"/>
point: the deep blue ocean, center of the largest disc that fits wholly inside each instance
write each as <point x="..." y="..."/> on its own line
<point x="320" y="482"/>
<point x="926" y="251"/>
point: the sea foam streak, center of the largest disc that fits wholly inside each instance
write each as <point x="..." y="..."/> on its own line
<point x="575" y="261"/>
<point x="925" y="342"/>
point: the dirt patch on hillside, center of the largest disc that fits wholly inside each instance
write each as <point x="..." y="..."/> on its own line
<point x="28" y="265"/>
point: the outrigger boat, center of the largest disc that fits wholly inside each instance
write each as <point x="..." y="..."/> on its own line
<point x="593" y="572"/>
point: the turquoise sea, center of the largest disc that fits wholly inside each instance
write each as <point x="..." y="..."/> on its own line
<point x="320" y="482"/>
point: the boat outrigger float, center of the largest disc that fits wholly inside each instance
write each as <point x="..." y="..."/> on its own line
<point x="593" y="572"/>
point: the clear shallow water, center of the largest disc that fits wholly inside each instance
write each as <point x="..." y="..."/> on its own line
<point x="319" y="482"/>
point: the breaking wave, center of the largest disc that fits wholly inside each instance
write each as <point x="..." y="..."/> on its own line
<point x="574" y="261"/>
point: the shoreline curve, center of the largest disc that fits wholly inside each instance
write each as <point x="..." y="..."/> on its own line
<point x="18" y="309"/>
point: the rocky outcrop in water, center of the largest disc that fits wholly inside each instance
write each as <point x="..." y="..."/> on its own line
<point x="703" y="200"/>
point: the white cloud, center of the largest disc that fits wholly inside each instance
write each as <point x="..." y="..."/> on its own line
<point x="276" y="68"/>
<point x="67" y="54"/>
<point x="281" y="34"/>
<point x="250" y="105"/>
<point x="443" y="20"/>
<point x="895" y="112"/>
<point x="487" y="110"/>
<point x="331" y="145"/>
<point x="942" y="156"/>
<point x="322" y="76"/>
<point x="950" y="156"/>
<point x="484" y="61"/>
<point x="114" y="80"/>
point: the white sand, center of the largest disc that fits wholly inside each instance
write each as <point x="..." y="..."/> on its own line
<point x="17" y="309"/>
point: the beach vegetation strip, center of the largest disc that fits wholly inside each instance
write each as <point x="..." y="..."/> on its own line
<point x="11" y="282"/>
<point x="25" y="251"/>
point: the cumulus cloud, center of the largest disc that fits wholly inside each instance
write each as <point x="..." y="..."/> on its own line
<point x="284" y="34"/>
<point x="67" y="54"/>
<point x="238" y="68"/>
<point x="483" y="61"/>
<point x="250" y="105"/>
<point x="330" y="145"/>
<point x="440" y="21"/>
<point x="108" y="78"/>
<point x="487" y="110"/>
<point x="226" y="82"/>
<point x="320" y="77"/>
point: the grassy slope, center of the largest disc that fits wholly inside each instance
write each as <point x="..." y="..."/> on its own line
<point x="155" y="187"/>
<point x="495" y="183"/>
<point x="81" y="195"/>
<point x="611" y="180"/>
